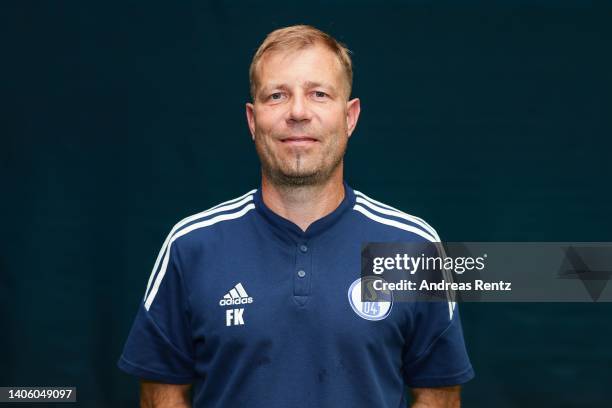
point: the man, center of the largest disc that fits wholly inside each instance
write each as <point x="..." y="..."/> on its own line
<point x="255" y="302"/>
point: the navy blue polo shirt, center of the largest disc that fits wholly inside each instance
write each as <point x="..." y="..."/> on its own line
<point x="255" y="312"/>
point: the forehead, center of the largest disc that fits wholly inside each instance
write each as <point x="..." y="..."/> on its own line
<point x="314" y="63"/>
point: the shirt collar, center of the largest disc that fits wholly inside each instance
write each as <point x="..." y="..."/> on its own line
<point x="288" y="230"/>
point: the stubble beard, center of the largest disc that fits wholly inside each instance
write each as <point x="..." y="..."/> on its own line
<point x="293" y="175"/>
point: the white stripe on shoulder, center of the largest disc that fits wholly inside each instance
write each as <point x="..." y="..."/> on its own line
<point x="451" y="309"/>
<point x="185" y="231"/>
<point x="394" y="223"/>
<point x="225" y="206"/>
<point x="376" y="205"/>
<point x="430" y="231"/>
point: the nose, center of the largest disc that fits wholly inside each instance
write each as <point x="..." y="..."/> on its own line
<point x="298" y="109"/>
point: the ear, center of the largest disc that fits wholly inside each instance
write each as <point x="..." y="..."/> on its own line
<point x="250" y="115"/>
<point x="353" y="109"/>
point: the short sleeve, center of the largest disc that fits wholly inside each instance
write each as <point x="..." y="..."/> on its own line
<point x="435" y="355"/>
<point x="159" y="345"/>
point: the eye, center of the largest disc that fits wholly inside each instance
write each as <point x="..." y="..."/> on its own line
<point x="320" y="94"/>
<point x="276" y="96"/>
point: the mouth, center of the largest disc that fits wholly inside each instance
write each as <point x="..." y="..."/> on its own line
<point x="299" y="140"/>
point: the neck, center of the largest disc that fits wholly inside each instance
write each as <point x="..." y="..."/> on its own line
<point x="303" y="205"/>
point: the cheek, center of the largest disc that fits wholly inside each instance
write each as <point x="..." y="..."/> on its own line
<point x="267" y="121"/>
<point x="334" y="118"/>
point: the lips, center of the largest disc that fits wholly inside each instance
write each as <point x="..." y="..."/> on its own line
<point x="298" y="139"/>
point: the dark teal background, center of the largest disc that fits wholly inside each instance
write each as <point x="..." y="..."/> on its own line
<point x="490" y="119"/>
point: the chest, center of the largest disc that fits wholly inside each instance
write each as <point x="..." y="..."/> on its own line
<point x="290" y="296"/>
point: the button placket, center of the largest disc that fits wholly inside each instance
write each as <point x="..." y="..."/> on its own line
<point x="301" y="272"/>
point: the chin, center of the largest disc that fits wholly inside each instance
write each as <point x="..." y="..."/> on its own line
<point x="302" y="172"/>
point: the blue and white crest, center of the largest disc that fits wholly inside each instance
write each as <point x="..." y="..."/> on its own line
<point x="376" y="304"/>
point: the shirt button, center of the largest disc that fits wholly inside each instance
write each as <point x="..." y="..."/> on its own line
<point x="301" y="274"/>
<point x="303" y="248"/>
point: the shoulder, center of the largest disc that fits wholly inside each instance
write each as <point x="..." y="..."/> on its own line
<point x="398" y="225"/>
<point x="383" y="216"/>
<point x="191" y="232"/>
<point x="205" y="223"/>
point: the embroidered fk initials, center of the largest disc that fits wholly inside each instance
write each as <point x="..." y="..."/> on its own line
<point x="233" y="317"/>
<point x="237" y="296"/>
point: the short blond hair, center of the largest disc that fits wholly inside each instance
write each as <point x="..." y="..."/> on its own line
<point x="295" y="38"/>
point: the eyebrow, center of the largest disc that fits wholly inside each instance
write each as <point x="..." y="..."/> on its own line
<point x="311" y="84"/>
<point x="307" y="84"/>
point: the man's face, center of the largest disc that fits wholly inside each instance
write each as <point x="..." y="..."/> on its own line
<point x="300" y="119"/>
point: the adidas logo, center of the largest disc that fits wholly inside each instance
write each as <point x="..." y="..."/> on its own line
<point x="236" y="296"/>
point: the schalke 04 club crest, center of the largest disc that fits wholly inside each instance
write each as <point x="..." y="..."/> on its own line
<point x="375" y="304"/>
